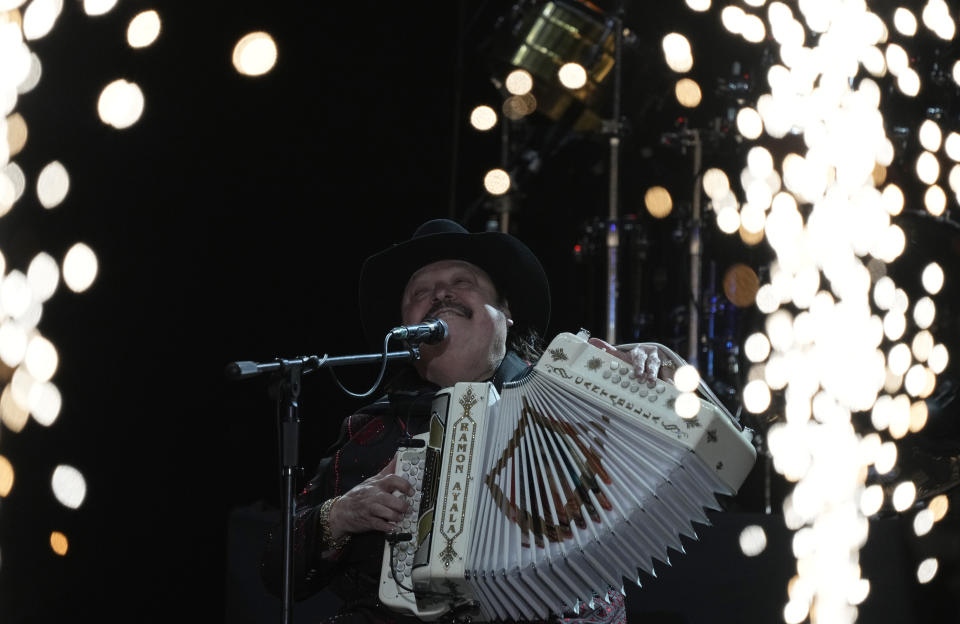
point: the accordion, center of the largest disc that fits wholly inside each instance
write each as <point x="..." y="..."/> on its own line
<point x="536" y="500"/>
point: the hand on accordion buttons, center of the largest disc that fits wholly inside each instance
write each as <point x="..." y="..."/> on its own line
<point x="372" y="505"/>
<point x="645" y="359"/>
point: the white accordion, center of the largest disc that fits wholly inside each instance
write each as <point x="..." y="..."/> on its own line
<point x="537" y="500"/>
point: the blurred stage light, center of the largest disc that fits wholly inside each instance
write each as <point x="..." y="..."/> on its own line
<point x="732" y="18"/>
<point x="939" y="505"/>
<point x="41" y="358"/>
<point x="658" y="202"/>
<point x="728" y="219"/>
<point x="43" y="275"/>
<point x="144" y="29"/>
<point x="69" y="486"/>
<point x="519" y="82"/>
<point x="44" y="403"/>
<point x="928" y="168"/>
<point x="79" y="267"/>
<point x="935" y="200"/>
<point x="905" y="22"/>
<point x="687" y="405"/>
<point x="756" y="396"/>
<point x="699" y="5"/>
<point x="676" y="50"/>
<point x="6" y="476"/>
<point x="53" y="184"/>
<point x="39" y="17"/>
<point x="519" y="106"/>
<point x="572" y="75"/>
<point x="688" y="93"/>
<point x="871" y="500"/>
<point x="255" y="54"/>
<point x="15" y="176"/>
<point x="120" y="104"/>
<point x="930" y="135"/>
<point x="749" y="123"/>
<point x="13" y="415"/>
<point x="483" y="118"/>
<point x="715" y="183"/>
<point x="927" y="570"/>
<point x="686" y="378"/>
<point x="59" y="543"/>
<point x="753" y="540"/>
<point x="16" y="134"/>
<point x="757" y="347"/>
<point x="98" y="7"/>
<point x="496" y="182"/>
<point x="924" y="311"/>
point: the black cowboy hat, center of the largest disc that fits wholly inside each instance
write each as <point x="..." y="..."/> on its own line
<point x="515" y="271"/>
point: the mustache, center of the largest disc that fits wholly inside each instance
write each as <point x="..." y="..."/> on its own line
<point x="441" y="306"/>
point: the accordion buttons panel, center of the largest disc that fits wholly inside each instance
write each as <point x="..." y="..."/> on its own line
<point x="607" y="380"/>
<point x="396" y="582"/>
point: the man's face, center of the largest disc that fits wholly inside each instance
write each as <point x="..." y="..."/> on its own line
<point x="464" y="296"/>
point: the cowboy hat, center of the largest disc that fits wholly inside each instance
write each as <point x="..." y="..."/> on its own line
<point x="515" y="271"/>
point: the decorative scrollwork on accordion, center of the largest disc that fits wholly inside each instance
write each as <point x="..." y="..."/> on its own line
<point x="551" y="493"/>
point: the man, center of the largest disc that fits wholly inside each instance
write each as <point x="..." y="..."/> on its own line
<point x="494" y="295"/>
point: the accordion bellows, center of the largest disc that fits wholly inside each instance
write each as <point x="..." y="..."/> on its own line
<point x="549" y="495"/>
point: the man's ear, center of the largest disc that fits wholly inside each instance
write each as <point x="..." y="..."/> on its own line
<point x="505" y="308"/>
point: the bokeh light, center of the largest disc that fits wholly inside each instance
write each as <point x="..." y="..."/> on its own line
<point x="79" y="267"/>
<point x="496" y="182"/>
<point x="59" y="543"/>
<point x="753" y="540"/>
<point x="255" y="54"/>
<point x="53" y="184"/>
<point x="69" y="486"/>
<point x="676" y="50"/>
<point x="658" y="202"/>
<point x="519" y="82"/>
<point x="483" y="117"/>
<point x="6" y="476"/>
<point x="120" y="104"/>
<point x="688" y="92"/>
<point x="144" y="29"/>
<point x="572" y="76"/>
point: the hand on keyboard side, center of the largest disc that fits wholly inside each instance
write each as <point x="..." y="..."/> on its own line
<point x="372" y="506"/>
<point x="645" y="358"/>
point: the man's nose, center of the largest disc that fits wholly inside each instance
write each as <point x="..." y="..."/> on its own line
<point x="442" y="290"/>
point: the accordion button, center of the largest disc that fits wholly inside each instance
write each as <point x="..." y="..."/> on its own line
<point x="614" y="365"/>
<point x="615" y="379"/>
<point x="624" y="370"/>
<point x="625" y="383"/>
<point x="661" y="388"/>
<point x="653" y="398"/>
<point x="631" y="375"/>
<point x="642" y="391"/>
<point x="651" y="384"/>
<point x="634" y="388"/>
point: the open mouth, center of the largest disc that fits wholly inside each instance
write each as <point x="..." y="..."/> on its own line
<point x="452" y="308"/>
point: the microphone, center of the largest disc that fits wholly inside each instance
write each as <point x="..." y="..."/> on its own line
<point x="431" y="331"/>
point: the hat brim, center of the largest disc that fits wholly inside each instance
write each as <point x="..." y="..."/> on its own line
<point x="514" y="269"/>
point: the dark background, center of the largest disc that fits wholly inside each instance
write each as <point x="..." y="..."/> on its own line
<point x="231" y="222"/>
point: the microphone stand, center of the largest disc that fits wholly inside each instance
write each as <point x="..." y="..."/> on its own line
<point x="285" y="389"/>
<point x="616" y="130"/>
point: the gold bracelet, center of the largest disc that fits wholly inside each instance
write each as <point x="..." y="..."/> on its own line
<point x="326" y="535"/>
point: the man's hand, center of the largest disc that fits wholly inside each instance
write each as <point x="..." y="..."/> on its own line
<point x="645" y="359"/>
<point x="372" y="505"/>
